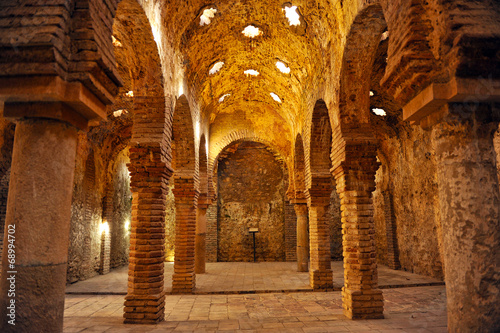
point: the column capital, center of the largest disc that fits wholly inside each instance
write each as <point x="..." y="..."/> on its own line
<point x="50" y="97"/>
<point x="429" y="106"/>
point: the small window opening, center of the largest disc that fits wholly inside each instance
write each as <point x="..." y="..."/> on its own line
<point x="216" y="67"/>
<point x="251" y="31"/>
<point x="223" y="97"/>
<point x="276" y="97"/>
<point x="282" y="67"/>
<point x="252" y="72"/>
<point x="207" y="16"/>
<point x="379" y="112"/>
<point x="292" y="15"/>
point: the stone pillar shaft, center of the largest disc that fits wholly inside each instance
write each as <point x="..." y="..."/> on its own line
<point x="469" y="206"/>
<point x="36" y="237"/>
<point x="201" y="232"/>
<point x="355" y="183"/>
<point x="302" y="237"/>
<point x="145" y="300"/>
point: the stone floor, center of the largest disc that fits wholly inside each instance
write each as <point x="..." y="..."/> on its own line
<point x="224" y="305"/>
<point x="241" y="277"/>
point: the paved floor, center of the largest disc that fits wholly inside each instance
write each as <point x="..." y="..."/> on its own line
<point x="223" y="304"/>
<point x="244" y="277"/>
<point x="415" y="309"/>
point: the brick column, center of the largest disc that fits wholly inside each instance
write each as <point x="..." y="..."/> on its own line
<point x="469" y="207"/>
<point x="320" y="271"/>
<point x="186" y="197"/>
<point x="145" y="300"/>
<point x="302" y="237"/>
<point x="201" y="232"/>
<point x="355" y="179"/>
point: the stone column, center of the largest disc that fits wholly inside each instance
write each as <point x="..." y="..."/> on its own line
<point x="201" y="232"/>
<point x="186" y="197"/>
<point x="320" y="271"/>
<point x="355" y="179"/>
<point x="302" y="237"/>
<point x="145" y="300"/>
<point x="469" y="206"/>
<point x="37" y="225"/>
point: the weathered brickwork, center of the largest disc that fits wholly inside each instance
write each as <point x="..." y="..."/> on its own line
<point x="416" y="189"/>
<point x="251" y="195"/>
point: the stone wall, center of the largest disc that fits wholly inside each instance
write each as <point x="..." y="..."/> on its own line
<point x="211" y="239"/>
<point x="170" y="226"/>
<point x="333" y="215"/>
<point x="251" y="195"/>
<point x="121" y="213"/>
<point x="86" y="216"/>
<point x="409" y="176"/>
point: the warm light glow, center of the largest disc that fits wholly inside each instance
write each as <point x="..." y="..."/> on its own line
<point x="384" y="36"/>
<point x="130" y="94"/>
<point x="116" y="42"/>
<point x="127" y="225"/>
<point x="282" y="67"/>
<point x="216" y="67"/>
<point x="181" y="89"/>
<point x="223" y="97"/>
<point x="251" y="72"/>
<point x="276" y="97"/>
<point x="292" y="15"/>
<point x="379" y="112"/>
<point x="251" y="31"/>
<point x="104" y="228"/>
<point x="206" y="147"/>
<point x="197" y="129"/>
<point x="207" y="16"/>
<point x="371" y="93"/>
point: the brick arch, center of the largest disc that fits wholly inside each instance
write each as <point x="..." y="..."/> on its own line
<point x="243" y="135"/>
<point x="299" y="168"/>
<point x="359" y="54"/>
<point x="184" y="152"/>
<point x="317" y="156"/>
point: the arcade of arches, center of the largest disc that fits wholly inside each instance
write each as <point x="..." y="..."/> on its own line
<point x="143" y="131"/>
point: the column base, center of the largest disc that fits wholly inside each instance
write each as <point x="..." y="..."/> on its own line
<point x="321" y="280"/>
<point x="144" y="309"/>
<point x="302" y="267"/>
<point x="363" y="304"/>
<point x="183" y="283"/>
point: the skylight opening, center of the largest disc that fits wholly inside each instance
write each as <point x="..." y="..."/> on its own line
<point x="130" y="94"/>
<point x="207" y="16"/>
<point x="379" y="112"/>
<point x="252" y="72"/>
<point x="384" y="36"/>
<point x="216" y="67"/>
<point x="292" y="15"/>
<point x="223" y="97"/>
<point x="116" y="42"/>
<point x="251" y="31"/>
<point x="371" y="93"/>
<point x="276" y="97"/>
<point x="282" y="67"/>
<point x="118" y="113"/>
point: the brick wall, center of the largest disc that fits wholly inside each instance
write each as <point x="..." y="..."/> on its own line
<point x="211" y="240"/>
<point x="290" y="232"/>
<point x="251" y="195"/>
